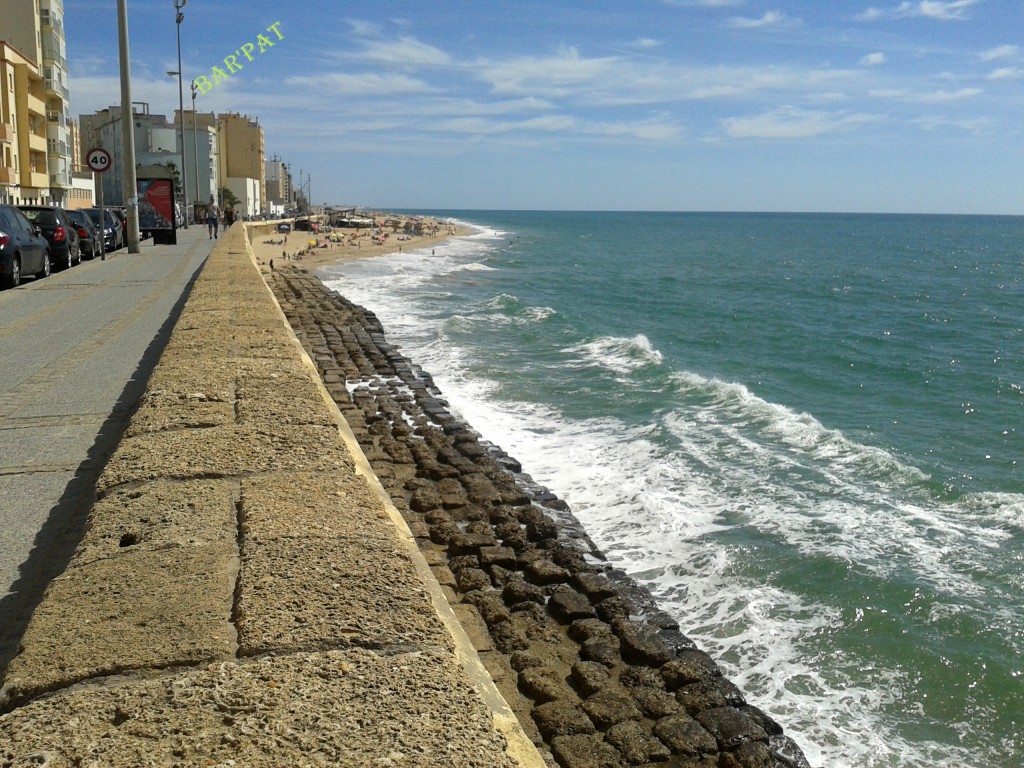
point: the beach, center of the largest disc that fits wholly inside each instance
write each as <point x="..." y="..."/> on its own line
<point x="310" y="250"/>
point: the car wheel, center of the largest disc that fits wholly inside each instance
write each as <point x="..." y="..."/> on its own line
<point x="78" y="260"/>
<point x="13" y="280"/>
<point x="45" y="271"/>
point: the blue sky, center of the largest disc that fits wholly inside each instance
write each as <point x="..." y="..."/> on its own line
<point x="881" y="105"/>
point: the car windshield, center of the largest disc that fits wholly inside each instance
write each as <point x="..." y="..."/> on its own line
<point x="94" y="216"/>
<point x="41" y="215"/>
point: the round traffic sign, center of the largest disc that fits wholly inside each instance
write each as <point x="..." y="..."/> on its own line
<point x="98" y="159"/>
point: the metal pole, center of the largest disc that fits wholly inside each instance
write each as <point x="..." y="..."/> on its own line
<point x="98" y="177"/>
<point x="129" y="183"/>
<point x="195" y="144"/>
<point x="180" y="17"/>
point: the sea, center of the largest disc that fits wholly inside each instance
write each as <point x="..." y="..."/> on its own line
<point x="804" y="433"/>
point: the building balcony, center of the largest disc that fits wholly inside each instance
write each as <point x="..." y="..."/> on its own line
<point x="38" y="143"/>
<point x="8" y="176"/>
<point x="53" y="87"/>
<point x="35" y="180"/>
<point x="35" y="105"/>
<point x="6" y="132"/>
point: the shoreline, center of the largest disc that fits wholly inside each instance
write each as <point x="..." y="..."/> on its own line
<point x="583" y="655"/>
<point x="284" y="250"/>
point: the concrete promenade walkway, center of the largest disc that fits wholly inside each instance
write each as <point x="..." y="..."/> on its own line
<point x="244" y="592"/>
<point x="76" y="350"/>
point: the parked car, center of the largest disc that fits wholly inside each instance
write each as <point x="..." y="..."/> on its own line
<point x="122" y="217"/>
<point x="284" y="227"/>
<point x="58" y="231"/>
<point x="113" y="235"/>
<point x="88" y="234"/>
<point x="23" y="249"/>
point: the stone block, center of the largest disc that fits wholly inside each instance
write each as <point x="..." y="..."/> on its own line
<point x="141" y="610"/>
<point x="337" y="708"/>
<point x="161" y="515"/>
<point x="302" y="594"/>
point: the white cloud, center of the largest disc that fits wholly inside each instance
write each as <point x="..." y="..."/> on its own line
<point x="482" y="126"/>
<point x="941" y="97"/>
<point x="947" y="10"/>
<point x="343" y="84"/>
<point x="873" y="60"/>
<point x="932" y="97"/>
<point x="790" y="123"/>
<point x="406" y="51"/>
<point x="654" y="130"/>
<point x="769" y="19"/>
<point x="645" y="42"/>
<point x="704" y="3"/>
<point x="548" y="76"/>
<point x="1001" y="52"/>
<point x="1006" y="73"/>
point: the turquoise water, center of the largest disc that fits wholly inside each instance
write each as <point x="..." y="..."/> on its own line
<point x="803" y="432"/>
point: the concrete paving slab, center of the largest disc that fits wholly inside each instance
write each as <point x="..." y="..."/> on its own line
<point x="300" y="593"/>
<point x="288" y="398"/>
<point x="161" y="515"/>
<point x="199" y="414"/>
<point x="328" y="506"/>
<point x="353" y="708"/>
<point x="230" y="451"/>
<point x="144" y="610"/>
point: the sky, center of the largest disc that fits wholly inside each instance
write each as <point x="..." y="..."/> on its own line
<point x="887" y="106"/>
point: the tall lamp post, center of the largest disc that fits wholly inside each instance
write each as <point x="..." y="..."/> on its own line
<point x="178" y="18"/>
<point x="195" y="143"/>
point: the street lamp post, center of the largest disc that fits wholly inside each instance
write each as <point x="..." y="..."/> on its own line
<point x="195" y="143"/>
<point x="129" y="179"/>
<point x="178" y="18"/>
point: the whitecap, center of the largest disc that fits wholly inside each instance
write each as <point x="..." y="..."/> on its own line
<point x="617" y="354"/>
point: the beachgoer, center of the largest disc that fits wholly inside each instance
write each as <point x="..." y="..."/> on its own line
<point x="212" y="217"/>
<point x="271" y="265"/>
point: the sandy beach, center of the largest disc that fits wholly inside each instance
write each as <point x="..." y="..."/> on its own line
<point x="307" y="250"/>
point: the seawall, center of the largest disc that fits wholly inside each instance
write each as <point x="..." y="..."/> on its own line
<point x="299" y="556"/>
<point x="245" y="592"/>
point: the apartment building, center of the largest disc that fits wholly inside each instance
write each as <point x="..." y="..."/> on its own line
<point x="240" y="142"/>
<point x="24" y="172"/>
<point x="35" y="28"/>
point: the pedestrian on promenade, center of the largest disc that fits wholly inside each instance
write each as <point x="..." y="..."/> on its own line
<point x="212" y="217"/>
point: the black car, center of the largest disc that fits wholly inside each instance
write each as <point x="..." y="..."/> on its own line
<point x="23" y="249"/>
<point x="112" y="232"/>
<point x="88" y="234"/>
<point x="284" y="227"/>
<point x="58" y="230"/>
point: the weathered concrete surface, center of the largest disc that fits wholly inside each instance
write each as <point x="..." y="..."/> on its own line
<point x="245" y="590"/>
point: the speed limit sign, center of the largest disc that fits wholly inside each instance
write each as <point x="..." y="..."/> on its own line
<point x="98" y="159"/>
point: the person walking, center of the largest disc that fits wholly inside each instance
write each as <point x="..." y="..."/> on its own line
<point x="212" y="217"/>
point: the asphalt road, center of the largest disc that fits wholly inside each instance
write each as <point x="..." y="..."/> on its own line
<point x="76" y="350"/>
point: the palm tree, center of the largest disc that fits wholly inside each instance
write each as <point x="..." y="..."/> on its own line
<point x="173" y="168"/>
<point x="228" y="198"/>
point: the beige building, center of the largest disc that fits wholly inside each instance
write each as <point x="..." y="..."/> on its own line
<point x="24" y="176"/>
<point x="279" y="184"/>
<point x="241" y="156"/>
<point x="201" y="155"/>
<point x="83" y="185"/>
<point x="36" y="29"/>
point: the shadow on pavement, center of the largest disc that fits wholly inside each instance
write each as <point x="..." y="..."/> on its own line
<point x="64" y="528"/>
